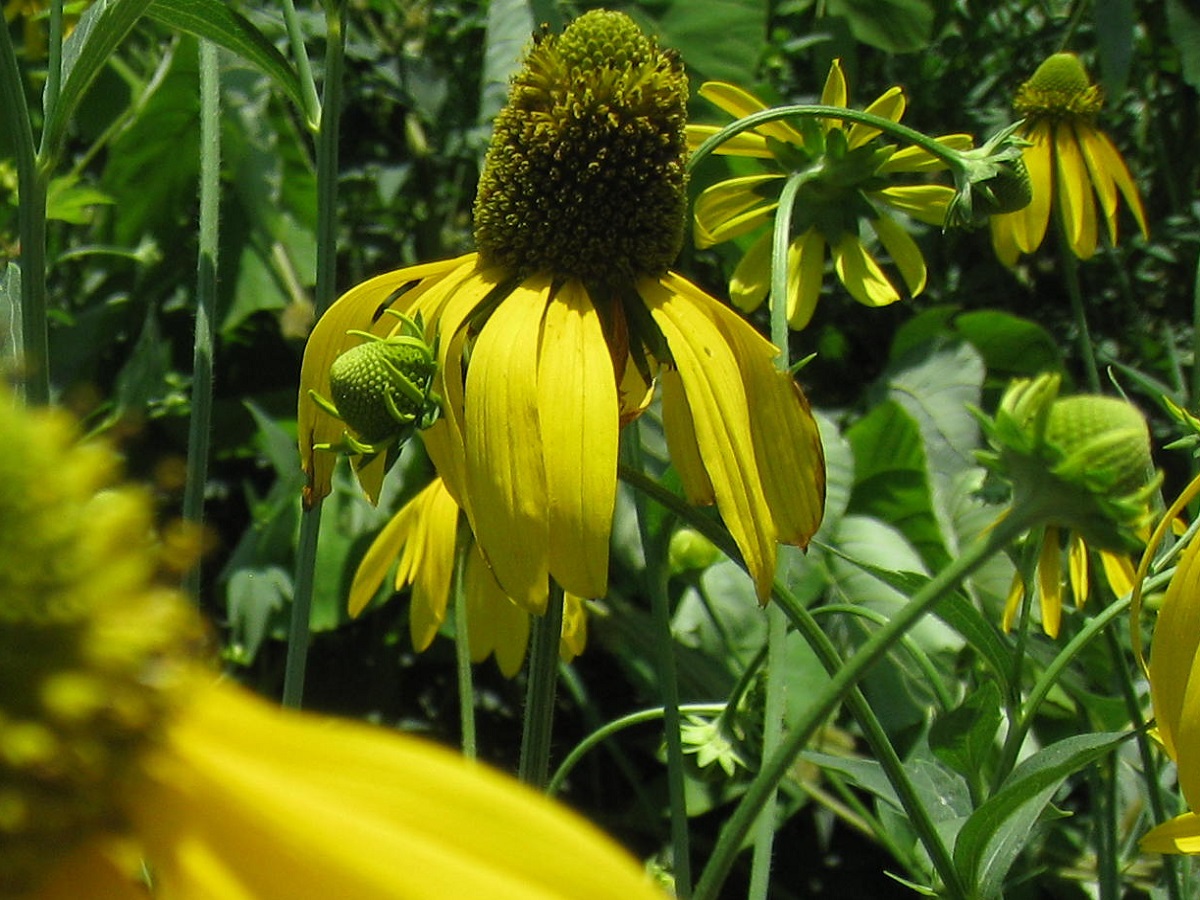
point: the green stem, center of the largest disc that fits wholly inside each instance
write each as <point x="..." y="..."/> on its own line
<point x="462" y="648"/>
<point x="323" y="295"/>
<point x="206" y="296"/>
<point x="655" y="574"/>
<point x="955" y="160"/>
<point x="774" y="703"/>
<point x="54" y="48"/>
<point x="534" y="767"/>
<point x="609" y="729"/>
<point x="312" y="105"/>
<point x="839" y="686"/>
<point x="31" y="226"/>
<point x="1070" y="270"/>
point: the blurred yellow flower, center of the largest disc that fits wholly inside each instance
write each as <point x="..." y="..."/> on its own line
<point x="847" y="187"/>
<point x="554" y="333"/>
<point x="1071" y="164"/>
<point x="421" y="540"/>
<point x="123" y="761"/>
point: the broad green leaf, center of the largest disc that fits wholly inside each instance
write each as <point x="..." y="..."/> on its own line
<point x="97" y="35"/>
<point x="510" y="26"/>
<point x="891" y="480"/>
<point x="1010" y="346"/>
<point x="896" y="26"/>
<point x="964" y="737"/>
<point x="942" y="792"/>
<point x="998" y="830"/>
<point x="722" y="40"/>
<point x="217" y="21"/>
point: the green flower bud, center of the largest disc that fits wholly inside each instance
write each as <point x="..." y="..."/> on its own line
<point x="690" y="550"/>
<point x="1005" y="192"/>
<point x="1080" y="462"/>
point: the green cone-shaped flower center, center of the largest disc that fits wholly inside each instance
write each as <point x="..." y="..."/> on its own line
<point x="91" y="650"/>
<point x="1059" y="89"/>
<point x="585" y="174"/>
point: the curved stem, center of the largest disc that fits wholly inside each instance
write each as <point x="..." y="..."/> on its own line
<point x="609" y="729"/>
<point x="839" y="686"/>
<point x="462" y="647"/>
<point x="534" y="767"/>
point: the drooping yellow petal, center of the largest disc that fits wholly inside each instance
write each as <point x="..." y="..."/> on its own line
<point x="904" y="252"/>
<point x="1118" y="572"/>
<point x="1175" y="644"/>
<point x="1187" y="739"/>
<point x="805" y="277"/>
<point x="505" y="465"/>
<point x="731" y="208"/>
<point x="1012" y="602"/>
<point x="431" y="577"/>
<point x="1004" y="240"/>
<point x="716" y="396"/>
<point x="1179" y="835"/>
<point x="745" y="144"/>
<point x="787" y="443"/>
<point x="1077" y="204"/>
<point x="739" y="104"/>
<point x="751" y="279"/>
<point x="1107" y="168"/>
<point x="1029" y="224"/>
<point x="248" y="802"/>
<point x="680" y="429"/>
<point x="358" y="308"/>
<point x="1049" y="575"/>
<point x="924" y="202"/>
<point x="860" y="273"/>
<point x="577" y="399"/>
<point x="889" y="105"/>
<point x="495" y="625"/>
<point x="1077" y="569"/>
<point x="574" y="628"/>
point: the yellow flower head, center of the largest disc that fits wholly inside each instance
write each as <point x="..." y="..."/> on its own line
<point x="120" y="756"/>
<point x="1071" y="164"/>
<point x="421" y="539"/>
<point x="847" y="192"/>
<point x="553" y="334"/>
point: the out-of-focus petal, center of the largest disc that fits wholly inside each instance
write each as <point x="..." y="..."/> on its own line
<point x="577" y="400"/>
<point x="1077" y="569"/>
<point x="1175" y="645"/>
<point x="90" y="866"/>
<point x="1118" y="572"/>
<point x="1012" y="602"/>
<point x="505" y="466"/>
<point x="861" y="274"/>
<point x="924" y="202"/>
<point x="1004" y="240"/>
<point x="574" y="628"/>
<point x="1179" y="835"/>
<point x="249" y="802"/>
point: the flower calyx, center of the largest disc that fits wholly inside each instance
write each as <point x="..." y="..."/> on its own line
<point x="382" y="389"/>
<point x="990" y="180"/>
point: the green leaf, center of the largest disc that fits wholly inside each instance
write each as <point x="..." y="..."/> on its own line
<point x="896" y="26"/>
<point x="1183" y="25"/>
<point x="256" y="600"/>
<point x="509" y="28"/>
<point x="10" y="312"/>
<point x="67" y="201"/>
<point x="998" y="831"/>
<point x="217" y="21"/>
<point x="722" y="40"/>
<point x="97" y="35"/>
<point x="964" y="737"/>
<point x="892" y="484"/>
<point x="1010" y="346"/>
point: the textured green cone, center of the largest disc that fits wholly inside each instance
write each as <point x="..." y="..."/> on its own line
<point x="364" y="379"/>
<point x="1103" y="434"/>
<point x="1059" y="89"/>
<point x="585" y="174"/>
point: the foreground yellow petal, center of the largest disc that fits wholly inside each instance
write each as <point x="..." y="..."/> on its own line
<point x="247" y="802"/>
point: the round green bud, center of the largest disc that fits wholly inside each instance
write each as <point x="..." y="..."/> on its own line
<point x="382" y="386"/>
